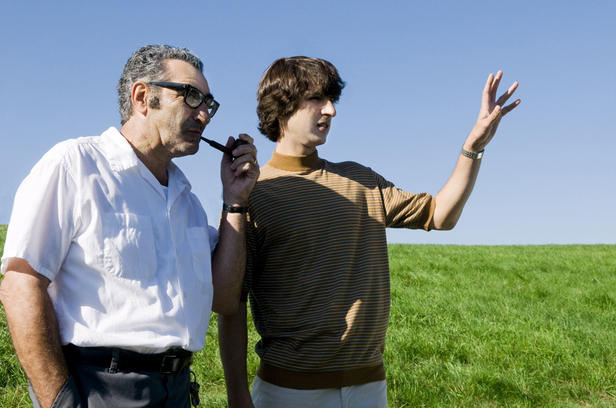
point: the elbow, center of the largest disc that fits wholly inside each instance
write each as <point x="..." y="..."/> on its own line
<point x="445" y="220"/>
<point x="226" y="307"/>
<point x="3" y="293"/>
<point x="9" y="290"/>
<point x="444" y="224"/>
<point x="226" y="295"/>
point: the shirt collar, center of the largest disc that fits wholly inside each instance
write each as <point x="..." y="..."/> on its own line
<point x="122" y="157"/>
<point x="177" y="180"/>
<point x="296" y="163"/>
<point x="119" y="152"/>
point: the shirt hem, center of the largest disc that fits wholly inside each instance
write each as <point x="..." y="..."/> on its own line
<point x="320" y="380"/>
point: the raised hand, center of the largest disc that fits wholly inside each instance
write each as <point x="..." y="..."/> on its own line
<point x="240" y="172"/>
<point x="490" y="114"/>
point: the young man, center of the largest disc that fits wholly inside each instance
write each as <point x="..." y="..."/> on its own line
<point x="111" y="269"/>
<point x="317" y="271"/>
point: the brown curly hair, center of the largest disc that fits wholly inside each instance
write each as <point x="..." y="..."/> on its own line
<point x="286" y="83"/>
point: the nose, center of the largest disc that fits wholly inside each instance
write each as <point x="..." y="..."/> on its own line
<point x="328" y="108"/>
<point x="202" y="115"/>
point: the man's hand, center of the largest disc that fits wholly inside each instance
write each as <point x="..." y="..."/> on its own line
<point x="34" y="329"/>
<point x="240" y="172"/>
<point x="490" y="114"/>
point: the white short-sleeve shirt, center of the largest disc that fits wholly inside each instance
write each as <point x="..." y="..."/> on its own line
<point x="129" y="263"/>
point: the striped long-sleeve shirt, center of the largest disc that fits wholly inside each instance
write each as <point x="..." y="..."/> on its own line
<point x="318" y="273"/>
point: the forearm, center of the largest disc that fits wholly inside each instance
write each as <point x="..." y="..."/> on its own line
<point x="451" y="199"/>
<point x="232" y="339"/>
<point x="35" y="334"/>
<point x="229" y="263"/>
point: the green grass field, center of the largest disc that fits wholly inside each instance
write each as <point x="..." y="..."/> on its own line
<point x="470" y="326"/>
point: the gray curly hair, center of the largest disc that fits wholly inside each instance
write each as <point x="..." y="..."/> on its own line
<point x="145" y="65"/>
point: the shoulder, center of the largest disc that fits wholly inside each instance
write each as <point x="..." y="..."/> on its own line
<point x="357" y="172"/>
<point x="266" y="182"/>
<point x="267" y="172"/>
<point x="72" y="149"/>
<point x="65" y="154"/>
<point x="348" y="166"/>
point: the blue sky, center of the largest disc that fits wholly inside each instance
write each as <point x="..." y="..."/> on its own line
<point x="414" y="73"/>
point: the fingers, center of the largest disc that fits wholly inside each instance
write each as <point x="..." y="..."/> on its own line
<point x="242" y="145"/>
<point x="246" y="137"/>
<point x="495" y="83"/>
<point x="511" y="106"/>
<point x="243" y="164"/>
<point x="503" y="98"/>
<point x="244" y="155"/>
<point x="492" y="111"/>
<point x="485" y="96"/>
<point x="488" y="102"/>
<point x="489" y="92"/>
<point x="494" y="115"/>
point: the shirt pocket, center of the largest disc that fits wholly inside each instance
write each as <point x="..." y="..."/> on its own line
<point x="199" y="243"/>
<point x="128" y="248"/>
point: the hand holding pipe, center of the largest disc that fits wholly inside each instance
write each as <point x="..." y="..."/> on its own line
<point x="222" y="148"/>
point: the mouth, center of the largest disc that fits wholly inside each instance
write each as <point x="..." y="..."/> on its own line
<point x="323" y="126"/>
<point x="192" y="126"/>
<point x="195" y="132"/>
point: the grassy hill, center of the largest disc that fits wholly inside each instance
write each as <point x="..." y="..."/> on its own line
<point x="477" y="326"/>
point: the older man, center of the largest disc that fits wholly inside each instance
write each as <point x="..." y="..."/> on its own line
<point x="111" y="269"/>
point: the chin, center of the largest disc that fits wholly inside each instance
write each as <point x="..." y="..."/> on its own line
<point x="188" y="150"/>
<point x="194" y="149"/>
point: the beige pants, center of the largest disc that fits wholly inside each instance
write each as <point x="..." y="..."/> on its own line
<point x="370" y="395"/>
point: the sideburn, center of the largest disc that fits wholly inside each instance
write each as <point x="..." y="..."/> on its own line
<point x="154" y="102"/>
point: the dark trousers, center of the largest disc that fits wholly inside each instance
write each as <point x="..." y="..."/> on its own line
<point x="96" y="387"/>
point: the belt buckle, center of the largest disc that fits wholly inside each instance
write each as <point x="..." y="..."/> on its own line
<point x="170" y="364"/>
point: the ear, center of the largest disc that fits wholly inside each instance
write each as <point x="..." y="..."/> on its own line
<point x="139" y="97"/>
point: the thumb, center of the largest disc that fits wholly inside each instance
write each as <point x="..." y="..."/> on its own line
<point x="228" y="158"/>
<point x="495" y="114"/>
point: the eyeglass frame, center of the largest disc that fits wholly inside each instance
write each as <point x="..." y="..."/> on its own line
<point x="211" y="110"/>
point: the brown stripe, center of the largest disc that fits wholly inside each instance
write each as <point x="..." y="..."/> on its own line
<point x="314" y="381"/>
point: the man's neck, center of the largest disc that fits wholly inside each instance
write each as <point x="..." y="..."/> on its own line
<point x="289" y="149"/>
<point x="146" y="153"/>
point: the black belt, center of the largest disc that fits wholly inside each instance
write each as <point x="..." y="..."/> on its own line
<point x="170" y="362"/>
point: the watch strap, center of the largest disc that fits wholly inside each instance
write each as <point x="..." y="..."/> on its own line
<point x="472" y="155"/>
<point x="234" y="208"/>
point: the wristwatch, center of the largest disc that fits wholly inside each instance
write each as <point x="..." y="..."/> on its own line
<point x="234" y="209"/>
<point x="472" y="155"/>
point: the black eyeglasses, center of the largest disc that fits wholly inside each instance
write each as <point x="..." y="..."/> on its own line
<point x="192" y="96"/>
